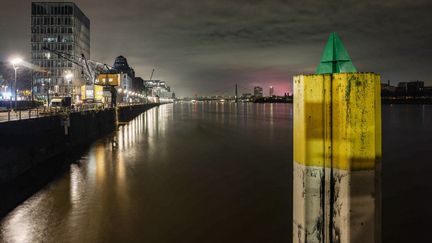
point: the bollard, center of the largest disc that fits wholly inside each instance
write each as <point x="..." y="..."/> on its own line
<point x="337" y="152"/>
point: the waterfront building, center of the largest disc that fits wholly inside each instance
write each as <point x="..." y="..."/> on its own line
<point x="271" y="91"/>
<point x="412" y="89"/>
<point x="127" y="74"/>
<point x="157" y="88"/>
<point x="387" y="89"/>
<point x="63" y="27"/>
<point x="415" y="88"/>
<point x="138" y="85"/>
<point x="258" y="91"/>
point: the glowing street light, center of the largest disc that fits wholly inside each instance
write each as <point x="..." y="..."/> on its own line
<point x="68" y="76"/>
<point x="15" y="62"/>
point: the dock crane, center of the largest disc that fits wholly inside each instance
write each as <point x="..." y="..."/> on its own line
<point x="151" y="76"/>
<point x="90" y="70"/>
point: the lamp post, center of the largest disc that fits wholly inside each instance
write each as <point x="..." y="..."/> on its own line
<point x="15" y="62"/>
<point x="68" y="77"/>
<point x="48" y="92"/>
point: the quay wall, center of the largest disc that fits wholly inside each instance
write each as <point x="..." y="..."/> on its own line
<point x="26" y="144"/>
<point x="128" y="113"/>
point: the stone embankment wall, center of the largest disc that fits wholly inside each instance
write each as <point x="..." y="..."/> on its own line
<point x="25" y="144"/>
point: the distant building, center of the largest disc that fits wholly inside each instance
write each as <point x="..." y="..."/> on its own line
<point x="415" y="88"/>
<point x="63" y="27"/>
<point x="246" y="97"/>
<point x="387" y="89"/>
<point x="401" y="89"/>
<point x="258" y="91"/>
<point x="271" y="91"/>
<point x="411" y="89"/>
<point x="173" y="95"/>
<point x="157" y="88"/>
<point x="427" y="91"/>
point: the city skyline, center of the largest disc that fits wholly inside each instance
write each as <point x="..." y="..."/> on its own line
<point x="200" y="48"/>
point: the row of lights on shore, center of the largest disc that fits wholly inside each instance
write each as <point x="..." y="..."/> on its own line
<point x="16" y="61"/>
<point x="130" y="93"/>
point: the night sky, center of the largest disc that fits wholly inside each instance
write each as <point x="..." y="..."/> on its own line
<point x="204" y="47"/>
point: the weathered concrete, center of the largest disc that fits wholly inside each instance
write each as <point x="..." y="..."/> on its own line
<point x="337" y="158"/>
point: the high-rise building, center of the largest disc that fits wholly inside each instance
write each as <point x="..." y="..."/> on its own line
<point x="63" y="27"/>
<point x="271" y="91"/>
<point x="258" y="91"/>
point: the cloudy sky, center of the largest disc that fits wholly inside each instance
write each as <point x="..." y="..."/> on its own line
<point x="204" y="47"/>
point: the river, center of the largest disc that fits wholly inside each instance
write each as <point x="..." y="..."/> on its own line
<point x="213" y="172"/>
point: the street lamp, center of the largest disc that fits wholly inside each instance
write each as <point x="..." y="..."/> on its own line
<point x="15" y="62"/>
<point x="68" y="78"/>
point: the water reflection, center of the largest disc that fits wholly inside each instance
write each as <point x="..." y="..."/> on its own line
<point x="175" y="172"/>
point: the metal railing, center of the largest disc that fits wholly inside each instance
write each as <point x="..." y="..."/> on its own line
<point x="14" y="115"/>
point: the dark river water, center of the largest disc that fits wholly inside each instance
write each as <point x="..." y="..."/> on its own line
<point x="213" y="173"/>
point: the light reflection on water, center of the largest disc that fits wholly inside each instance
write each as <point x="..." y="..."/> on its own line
<point x="154" y="172"/>
<point x="209" y="172"/>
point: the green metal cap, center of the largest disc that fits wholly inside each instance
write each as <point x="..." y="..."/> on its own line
<point x="335" y="58"/>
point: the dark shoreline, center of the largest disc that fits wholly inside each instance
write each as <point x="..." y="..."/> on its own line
<point x="417" y="101"/>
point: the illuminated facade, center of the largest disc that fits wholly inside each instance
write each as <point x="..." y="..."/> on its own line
<point x="127" y="74"/>
<point x="63" y="27"/>
<point x="157" y="88"/>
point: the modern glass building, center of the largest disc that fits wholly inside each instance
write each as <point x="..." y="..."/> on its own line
<point x="63" y="27"/>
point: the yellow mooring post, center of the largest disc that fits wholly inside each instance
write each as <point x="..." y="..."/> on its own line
<point x="337" y="152"/>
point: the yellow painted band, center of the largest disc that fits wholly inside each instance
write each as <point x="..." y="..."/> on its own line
<point x="337" y="120"/>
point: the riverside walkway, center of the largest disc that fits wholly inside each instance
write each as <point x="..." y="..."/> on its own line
<point x="9" y="115"/>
